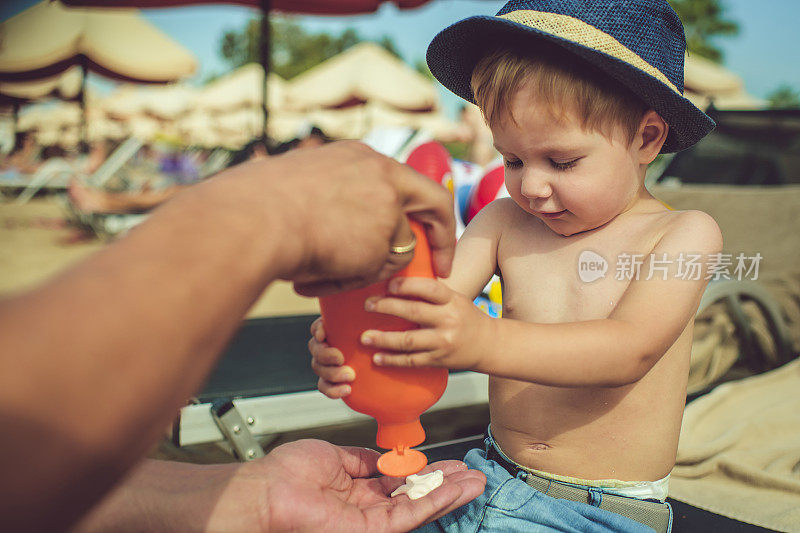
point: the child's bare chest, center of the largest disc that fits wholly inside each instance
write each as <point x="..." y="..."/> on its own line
<point x="549" y="278"/>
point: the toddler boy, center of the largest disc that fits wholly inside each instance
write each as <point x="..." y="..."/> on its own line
<point x="589" y="364"/>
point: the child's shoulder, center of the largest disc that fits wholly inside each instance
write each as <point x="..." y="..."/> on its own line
<point x="689" y="231"/>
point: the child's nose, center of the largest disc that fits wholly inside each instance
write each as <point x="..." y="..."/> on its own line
<point x="534" y="186"/>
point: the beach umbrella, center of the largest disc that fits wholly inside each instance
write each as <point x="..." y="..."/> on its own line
<point x="101" y="127"/>
<point x="363" y="73"/>
<point x="434" y="122"/>
<point x="165" y="102"/>
<point x="353" y="122"/>
<point x="48" y="38"/>
<point x="348" y="123"/>
<point x="49" y="120"/>
<point x="66" y="85"/>
<point x="285" y="125"/>
<point x="50" y="116"/>
<point x="706" y="82"/>
<point x="198" y="129"/>
<point x="311" y="7"/>
<point x="241" y="88"/>
<point x="143" y="127"/>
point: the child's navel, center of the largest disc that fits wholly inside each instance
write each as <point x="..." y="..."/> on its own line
<point x="538" y="446"/>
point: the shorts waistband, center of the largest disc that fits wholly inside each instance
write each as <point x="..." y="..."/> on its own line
<point x="654" y="514"/>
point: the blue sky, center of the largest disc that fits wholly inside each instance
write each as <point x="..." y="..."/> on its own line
<point x="763" y="54"/>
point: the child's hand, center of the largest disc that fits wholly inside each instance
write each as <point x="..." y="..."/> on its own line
<point x="328" y="363"/>
<point x="452" y="333"/>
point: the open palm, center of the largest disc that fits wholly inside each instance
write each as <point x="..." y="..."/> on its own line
<point x="316" y="486"/>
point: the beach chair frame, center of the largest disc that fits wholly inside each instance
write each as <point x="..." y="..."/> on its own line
<point x="282" y="413"/>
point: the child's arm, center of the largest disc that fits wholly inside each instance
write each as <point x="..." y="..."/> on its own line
<point x="614" y="351"/>
<point x="475" y="259"/>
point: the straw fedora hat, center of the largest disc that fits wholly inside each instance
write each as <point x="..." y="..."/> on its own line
<point x="638" y="43"/>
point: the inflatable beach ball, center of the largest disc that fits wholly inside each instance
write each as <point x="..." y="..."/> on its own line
<point x="465" y="176"/>
<point x="491" y="187"/>
<point x="433" y="160"/>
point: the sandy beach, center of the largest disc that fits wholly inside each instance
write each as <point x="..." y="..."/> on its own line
<point x="36" y="243"/>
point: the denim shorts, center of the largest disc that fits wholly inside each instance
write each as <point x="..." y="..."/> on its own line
<point x="508" y="505"/>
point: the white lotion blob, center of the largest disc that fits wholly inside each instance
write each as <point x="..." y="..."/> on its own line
<point x="418" y="486"/>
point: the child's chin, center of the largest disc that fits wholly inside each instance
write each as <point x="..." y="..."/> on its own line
<point x="567" y="230"/>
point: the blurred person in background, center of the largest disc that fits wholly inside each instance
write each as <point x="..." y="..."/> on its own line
<point x="92" y="200"/>
<point x="23" y="157"/>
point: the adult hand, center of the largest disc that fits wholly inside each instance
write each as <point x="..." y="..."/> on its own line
<point x="341" y="207"/>
<point x="321" y="487"/>
<point x="307" y="485"/>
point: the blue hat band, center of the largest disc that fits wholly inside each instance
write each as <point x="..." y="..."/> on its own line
<point x="579" y="32"/>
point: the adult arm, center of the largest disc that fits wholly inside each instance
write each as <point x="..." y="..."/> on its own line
<point x="307" y="485"/>
<point x="98" y="360"/>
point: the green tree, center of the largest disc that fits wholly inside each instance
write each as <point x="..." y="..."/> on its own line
<point x="422" y="67"/>
<point x="784" y="97"/>
<point x="294" y="49"/>
<point x="703" y="21"/>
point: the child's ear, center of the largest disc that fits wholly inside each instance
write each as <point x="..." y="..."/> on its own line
<point x="651" y="136"/>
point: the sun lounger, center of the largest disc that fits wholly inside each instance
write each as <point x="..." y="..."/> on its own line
<point x="114" y="162"/>
<point x="109" y="225"/>
<point x="217" y="160"/>
<point x="53" y="174"/>
<point x="56" y="173"/>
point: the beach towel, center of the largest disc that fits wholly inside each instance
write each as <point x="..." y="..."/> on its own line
<point x="739" y="451"/>
<point x="717" y="346"/>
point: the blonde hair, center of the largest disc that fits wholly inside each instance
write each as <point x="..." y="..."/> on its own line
<point x="564" y="82"/>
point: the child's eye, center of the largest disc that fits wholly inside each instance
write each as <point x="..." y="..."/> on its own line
<point x="513" y="163"/>
<point x="566" y="165"/>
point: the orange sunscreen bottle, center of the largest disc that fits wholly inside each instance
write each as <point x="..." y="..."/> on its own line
<point x="394" y="397"/>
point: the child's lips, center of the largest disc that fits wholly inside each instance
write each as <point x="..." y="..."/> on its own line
<point x="552" y="214"/>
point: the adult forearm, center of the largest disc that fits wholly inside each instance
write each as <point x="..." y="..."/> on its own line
<point x="161" y="496"/>
<point x="603" y="352"/>
<point x="107" y="352"/>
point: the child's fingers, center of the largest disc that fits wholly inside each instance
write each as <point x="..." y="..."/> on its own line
<point x="429" y="290"/>
<point x="325" y="354"/>
<point x="333" y="391"/>
<point x="421" y="313"/>
<point x="415" y="340"/>
<point x="318" y="330"/>
<point x="334" y="374"/>
<point x="407" y="360"/>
